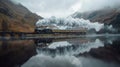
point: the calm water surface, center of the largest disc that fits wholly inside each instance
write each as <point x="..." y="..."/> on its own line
<point x="89" y="51"/>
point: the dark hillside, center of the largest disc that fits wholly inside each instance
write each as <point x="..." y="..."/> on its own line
<point x="16" y="17"/>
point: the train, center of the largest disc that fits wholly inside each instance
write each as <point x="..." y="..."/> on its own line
<point x="49" y="30"/>
<point x="43" y="31"/>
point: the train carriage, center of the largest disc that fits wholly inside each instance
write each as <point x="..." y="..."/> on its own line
<point x="49" y="30"/>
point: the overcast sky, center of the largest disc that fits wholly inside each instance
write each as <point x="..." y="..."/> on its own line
<point x="64" y="8"/>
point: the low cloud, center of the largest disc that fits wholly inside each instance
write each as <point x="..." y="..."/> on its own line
<point x="64" y="8"/>
<point x="91" y="5"/>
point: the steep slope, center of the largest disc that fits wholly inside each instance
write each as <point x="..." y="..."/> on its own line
<point x="106" y="15"/>
<point x="15" y="17"/>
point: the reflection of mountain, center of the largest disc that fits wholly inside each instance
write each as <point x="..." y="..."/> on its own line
<point x="15" y="17"/>
<point x="107" y="16"/>
<point x="15" y="53"/>
<point x="110" y="52"/>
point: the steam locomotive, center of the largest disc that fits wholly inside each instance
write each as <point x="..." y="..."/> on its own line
<point x="49" y="30"/>
<point x="43" y="31"/>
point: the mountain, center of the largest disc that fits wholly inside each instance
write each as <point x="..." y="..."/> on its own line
<point x="109" y="16"/>
<point x="16" y="17"/>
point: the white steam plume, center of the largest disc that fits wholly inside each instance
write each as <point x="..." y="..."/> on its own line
<point x="70" y="23"/>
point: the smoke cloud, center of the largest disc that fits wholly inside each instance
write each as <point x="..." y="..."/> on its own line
<point x="69" y="23"/>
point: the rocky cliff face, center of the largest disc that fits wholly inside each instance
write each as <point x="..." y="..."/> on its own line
<point x="15" y="17"/>
<point x="106" y="15"/>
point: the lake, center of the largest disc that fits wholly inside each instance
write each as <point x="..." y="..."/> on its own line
<point x="87" y="51"/>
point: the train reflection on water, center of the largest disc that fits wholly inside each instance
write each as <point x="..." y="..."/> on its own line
<point x="50" y="52"/>
<point x="79" y="52"/>
<point x="91" y="46"/>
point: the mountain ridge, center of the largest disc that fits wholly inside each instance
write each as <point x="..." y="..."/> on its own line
<point x="16" y="17"/>
<point x="108" y="16"/>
